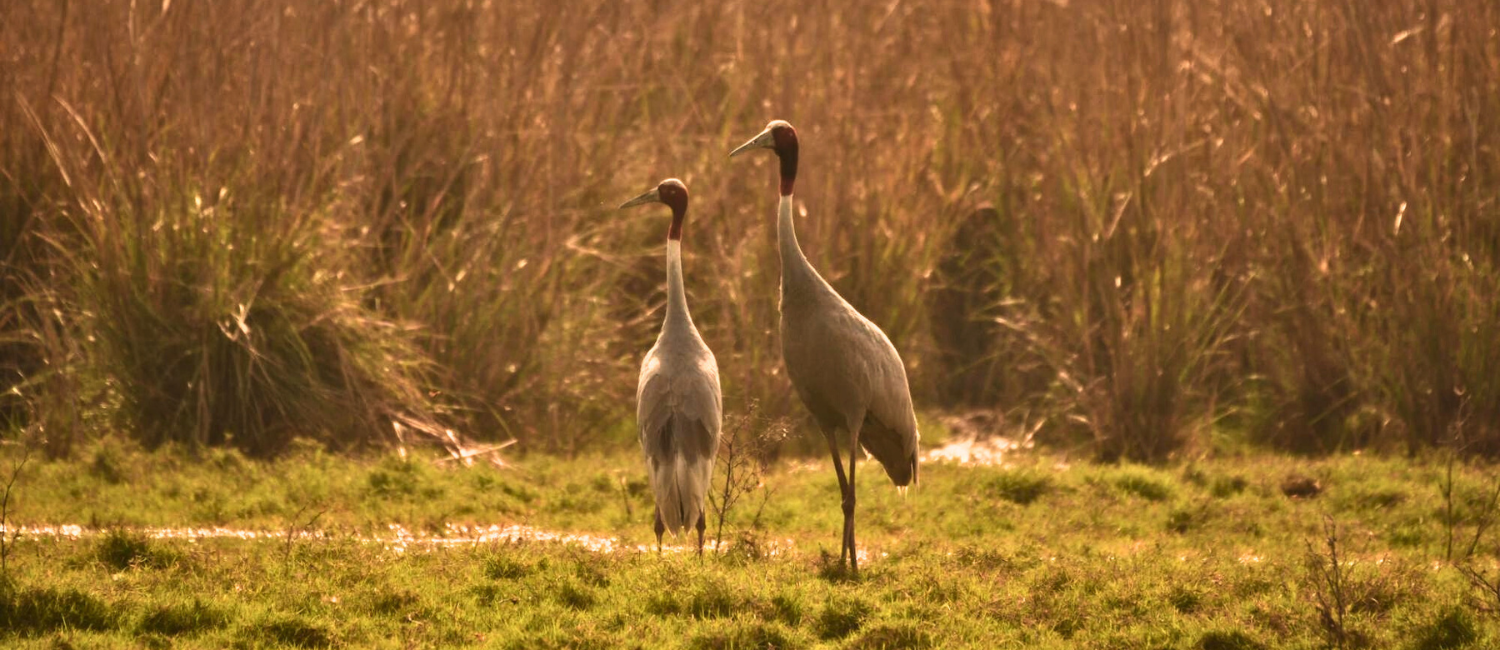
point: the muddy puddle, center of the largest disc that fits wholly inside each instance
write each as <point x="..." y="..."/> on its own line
<point x="969" y="450"/>
<point x="400" y="539"/>
<point x="991" y="451"/>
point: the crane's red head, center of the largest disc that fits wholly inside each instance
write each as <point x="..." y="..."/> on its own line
<point x="674" y="194"/>
<point x="780" y="137"/>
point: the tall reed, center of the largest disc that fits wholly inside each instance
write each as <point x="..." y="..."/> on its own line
<point x="1206" y="221"/>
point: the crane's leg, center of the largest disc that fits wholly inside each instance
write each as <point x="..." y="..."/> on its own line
<point x="838" y="466"/>
<point x="702" y="524"/>
<point x="660" y="528"/>
<point x="849" y="501"/>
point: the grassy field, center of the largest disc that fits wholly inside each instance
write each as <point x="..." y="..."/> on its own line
<point x="1040" y="553"/>
<point x="249" y="249"/>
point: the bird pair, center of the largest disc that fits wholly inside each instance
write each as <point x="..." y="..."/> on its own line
<point x="842" y="366"/>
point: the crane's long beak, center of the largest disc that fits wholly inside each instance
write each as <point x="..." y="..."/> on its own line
<point x="654" y="196"/>
<point x="762" y="141"/>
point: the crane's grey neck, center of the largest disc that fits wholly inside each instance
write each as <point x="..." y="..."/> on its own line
<point x="795" y="270"/>
<point x="677" y="309"/>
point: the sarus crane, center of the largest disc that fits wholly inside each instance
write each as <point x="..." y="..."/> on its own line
<point x="678" y="404"/>
<point x="842" y="366"/>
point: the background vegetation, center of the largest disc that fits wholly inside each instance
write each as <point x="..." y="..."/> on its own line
<point x="1151" y="226"/>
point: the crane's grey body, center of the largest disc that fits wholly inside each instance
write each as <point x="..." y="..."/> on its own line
<point x="843" y="367"/>
<point x="679" y="412"/>
<point x="678" y="405"/>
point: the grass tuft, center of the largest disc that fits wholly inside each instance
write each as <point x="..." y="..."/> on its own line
<point x="712" y="599"/>
<point x="840" y="617"/>
<point x="219" y="324"/>
<point x="398" y="603"/>
<point x="663" y="604"/>
<point x="572" y="595"/>
<point x="1180" y="520"/>
<point x="1185" y="600"/>
<point x="175" y="619"/>
<point x="786" y="608"/>
<point x="398" y="478"/>
<point x="1021" y="487"/>
<point x="505" y="567"/>
<point x="1455" y="628"/>
<point x="747" y="634"/>
<point x="1143" y="483"/>
<point x="893" y="635"/>
<point x="1230" y="640"/>
<point x="33" y="611"/>
<point x="289" y="630"/>
<point x="121" y="549"/>
<point x="1224" y="487"/>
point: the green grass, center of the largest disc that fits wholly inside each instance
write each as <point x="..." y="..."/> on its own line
<point x="1043" y="554"/>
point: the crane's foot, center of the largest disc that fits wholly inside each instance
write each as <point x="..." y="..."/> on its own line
<point x="702" y="524"/>
<point x="659" y="528"/>
<point x="844" y="547"/>
<point x="849" y="500"/>
<point x="853" y="551"/>
<point x="850" y="550"/>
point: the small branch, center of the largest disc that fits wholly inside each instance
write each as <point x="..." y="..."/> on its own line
<point x="293" y="529"/>
<point x="625" y="497"/>
<point x="740" y="454"/>
<point x="1450" y="518"/>
<point x="1487" y="518"/>
<point x="8" y="537"/>
<point x="1330" y="584"/>
<point x="466" y="455"/>
<point x="1481" y="582"/>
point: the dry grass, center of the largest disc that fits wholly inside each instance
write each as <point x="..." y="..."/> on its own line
<point x="1273" y="218"/>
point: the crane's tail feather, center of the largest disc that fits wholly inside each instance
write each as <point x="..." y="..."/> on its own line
<point x="680" y="481"/>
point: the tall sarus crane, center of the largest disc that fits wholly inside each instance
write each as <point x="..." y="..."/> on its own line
<point x="843" y="367"/>
<point x="678" y="405"/>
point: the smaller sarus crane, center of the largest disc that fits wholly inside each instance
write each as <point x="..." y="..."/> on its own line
<point x="678" y="404"/>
